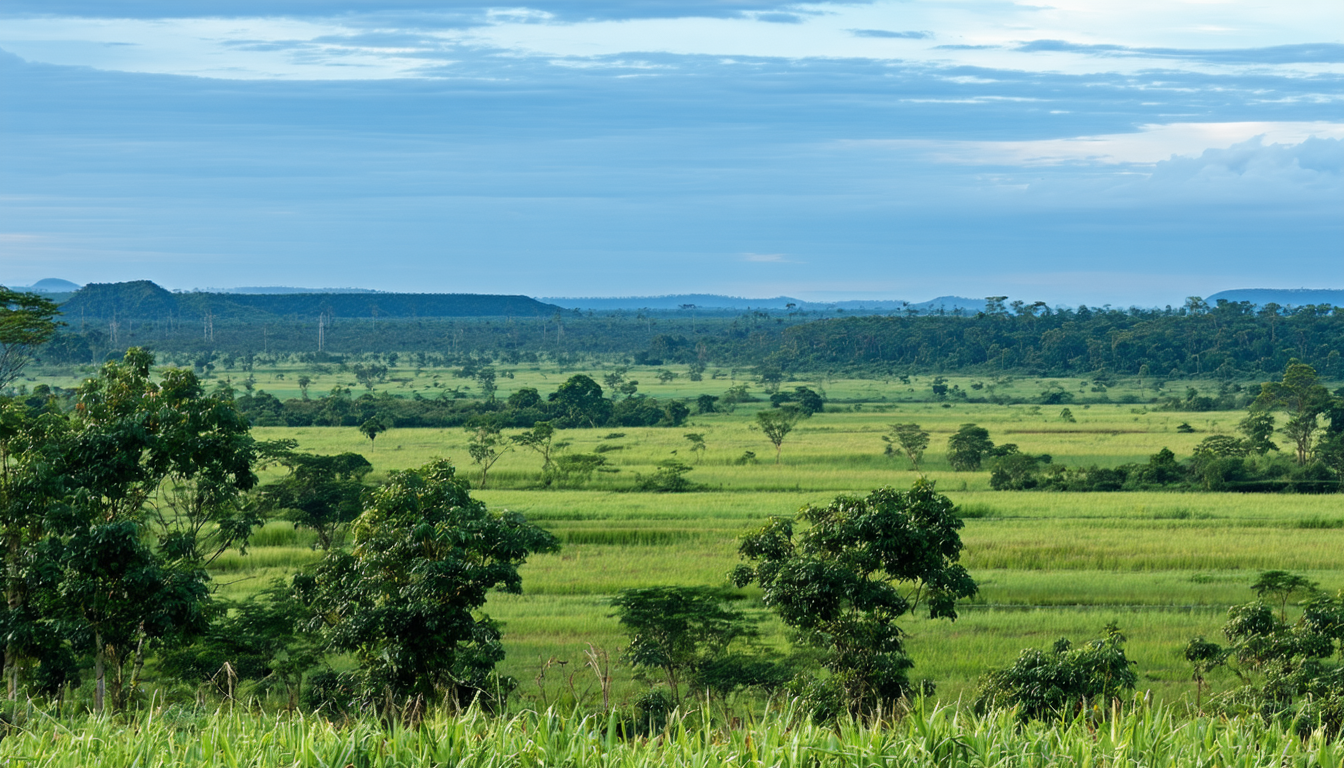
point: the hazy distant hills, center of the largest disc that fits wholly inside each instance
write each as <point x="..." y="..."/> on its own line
<point x="143" y="296"/>
<point x="52" y="285"/>
<point x="715" y="301"/>
<point x="1284" y="297"/>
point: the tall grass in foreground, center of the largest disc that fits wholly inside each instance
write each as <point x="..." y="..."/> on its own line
<point x="943" y="736"/>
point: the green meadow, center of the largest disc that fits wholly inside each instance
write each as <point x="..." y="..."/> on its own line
<point x="1164" y="566"/>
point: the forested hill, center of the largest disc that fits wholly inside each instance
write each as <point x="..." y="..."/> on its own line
<point x="144" y="301"/>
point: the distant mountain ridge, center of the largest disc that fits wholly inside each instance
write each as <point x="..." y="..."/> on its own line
<point x="718" y="301"/>
<point x="142" y="299"/>
<point x="1284" y="297"/>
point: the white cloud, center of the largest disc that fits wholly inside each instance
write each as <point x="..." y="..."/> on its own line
<point x="1149" y="145"/>
<point x="768" y="258"/>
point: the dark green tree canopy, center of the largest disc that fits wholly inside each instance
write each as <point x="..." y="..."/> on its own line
<point x="678" y="630"/>
<point x="861" y="564"/>
<point x="404" y="599"/>
<point x="579" y="402"/>
<point x="967" y="447"/>
<point x="1061" y="681"/>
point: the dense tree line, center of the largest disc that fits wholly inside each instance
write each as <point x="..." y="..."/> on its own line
<point x="579" y="402"/>
<point x="1251" y="462"/>
<point x="1226" y="340"/>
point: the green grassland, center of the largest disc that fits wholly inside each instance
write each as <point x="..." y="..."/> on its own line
<point x="1163" y="565"/>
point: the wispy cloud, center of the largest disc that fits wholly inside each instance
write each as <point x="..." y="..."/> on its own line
<point x="888" y="34"/>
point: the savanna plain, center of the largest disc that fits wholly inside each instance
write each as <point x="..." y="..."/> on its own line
<point x="1163" y="567"/>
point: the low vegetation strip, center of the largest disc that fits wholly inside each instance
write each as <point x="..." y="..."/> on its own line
<point x="1133" y="735"/>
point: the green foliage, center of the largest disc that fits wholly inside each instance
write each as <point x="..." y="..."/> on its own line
<point x="861" y="565"/>
<point x="910" y="439"/>
<point x="539" y="438"/>
<point x="575" y="469"/>
<point x="257" y="642"/>
<point x="1062" y="681"/>
<point x="966" y="448"/>
<point x="804" y="399"/>
<point x="321" y="493"/>
<point x="1300" y="393"/>
<point x="670" y="477"/>
<point x="373" y="427"/>
<point x="403" y="601"/>
<point x="679" y="631"/>
<point x="697" y="444"/>
<point x="579" y="402"/>
<point x="776" y="425"/>
<point x="485" y="445"/>
<point x="1258" y="428"/>
<point x="27" y="321"/>
<point x="169" y="448"/>
<point x="1289" y="671"/>
<point x="1282" y="585"/>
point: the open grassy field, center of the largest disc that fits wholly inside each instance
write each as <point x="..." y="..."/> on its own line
<point x="1163" y="565"/>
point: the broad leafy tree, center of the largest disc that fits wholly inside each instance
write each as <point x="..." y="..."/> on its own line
<point x="967" y="447"/>
<point x="1061" y="681"/>
<point x="27" y="321"/>
<point x="579" y="402"/>
<point x="34" y="485"/>
<point x="145" y="456"/>
<point x="404" y="600"/>
<point x="678" y="630"/>
<point x="845" y="580"/>
<point x="321" y="493"/>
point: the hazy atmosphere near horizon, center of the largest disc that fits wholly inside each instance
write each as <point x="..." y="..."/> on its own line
<point x="1098" y="151"/>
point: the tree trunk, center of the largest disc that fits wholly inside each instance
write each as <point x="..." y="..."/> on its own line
<point x="99" y="671"/>
<point x="14" y="599"/>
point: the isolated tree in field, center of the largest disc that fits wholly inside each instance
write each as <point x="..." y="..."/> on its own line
<point x="677" y="630"/>
<point x="303" y="382"/>
<point x="27" y="321"/>
<point x="1281" y="586"/>
<point x="405" y="600"/>
<point x="859" y="565"/>
<point x="776" y="424"/>
<point x="967" y="447"/>
<point x="373" y="427"/>
<point x="540" y="439"/>
<point x="1302" y="395"/>
<point x="485" y="446"/>
<point x="908" y="439"/>
<point x="321" y="493"/>
<point x="697" y="444"/>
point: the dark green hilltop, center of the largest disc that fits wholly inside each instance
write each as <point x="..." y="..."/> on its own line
<point x="145" y="301"/>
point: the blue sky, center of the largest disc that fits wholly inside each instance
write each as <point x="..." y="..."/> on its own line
<point x="1082" y="151"/>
